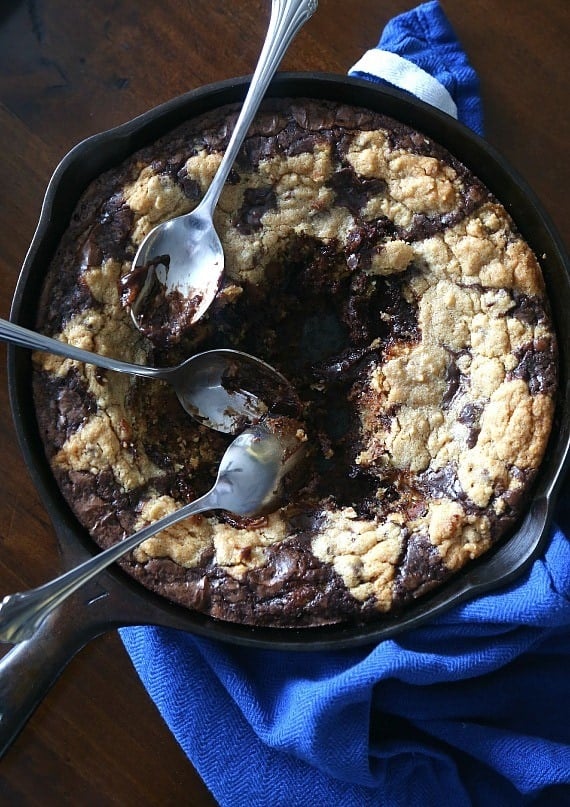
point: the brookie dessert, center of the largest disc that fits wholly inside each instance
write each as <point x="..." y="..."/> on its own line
<point x="388" y="285"/>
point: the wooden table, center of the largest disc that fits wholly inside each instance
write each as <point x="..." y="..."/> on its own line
<point x="69" y="69"/>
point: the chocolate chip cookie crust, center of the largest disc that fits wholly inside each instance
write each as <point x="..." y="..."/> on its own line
<point x="392" y="289"/>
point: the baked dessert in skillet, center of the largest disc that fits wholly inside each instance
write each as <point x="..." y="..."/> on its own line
<point x="393" y="290"/>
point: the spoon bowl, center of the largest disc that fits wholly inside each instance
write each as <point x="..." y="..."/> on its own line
<point x="178" y="267"/>
<point x="223" y="389"/>
<point x="253" y="478"/>
<point x="178" y="271"/>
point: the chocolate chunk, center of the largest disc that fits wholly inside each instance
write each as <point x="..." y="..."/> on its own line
<point x="452" y="380"/>
<point x="302" y="145"/>
<point x="91" y="254"/>
<point x="353" y="191"/>
<point x="470" y="416"/>
<point x="112" y="233"/>
<point x="537" y="366"/>
<point x="442" y="483"/>
<point x="66" y="404"/>
<point x="254" y="150"/>
<point x="256" y="202"/>
<point x="528" y="309"/>
<point x="365" y="238"/>
<point x="421" y="569"/>
<point x="314" y="118"/>
<point x="190" y="187"/>
<point x="175" y="168"/>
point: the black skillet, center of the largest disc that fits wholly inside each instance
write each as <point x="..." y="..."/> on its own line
<point x="114" y="600"/>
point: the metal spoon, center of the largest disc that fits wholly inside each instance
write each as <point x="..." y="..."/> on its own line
<point x="252" y="479"/>
<point x="223" y="389"/>
<point x="183" y="257"/>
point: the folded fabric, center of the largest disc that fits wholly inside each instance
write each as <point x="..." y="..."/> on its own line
<point x="419" y="52"/>
<point x="473" y="707"/>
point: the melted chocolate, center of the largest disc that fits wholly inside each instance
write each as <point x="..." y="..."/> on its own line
<point x="256" y="202"/>
<point x="175" y="168"/>
<point x="537" y="365"/>
<point x="353" y="191"/>
<point x="470" y="416"/>
<point x="335" y="325"/>
<point x="421" y="569"/>
<point x="528" y="309"/>
<point x="442" y="483"/>
<point x="112" y="232"/>
<point x="66" y="406"/>
<point x="292" y="588"/>
<point x="163" y="317"/>
<point x="453" y="382"/>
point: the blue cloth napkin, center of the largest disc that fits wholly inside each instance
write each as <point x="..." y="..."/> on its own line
<point x="419" y="52"/>
<point x="473" y="708"/>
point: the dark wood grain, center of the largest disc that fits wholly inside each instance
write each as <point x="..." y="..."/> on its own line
<point x="69" y="69"/>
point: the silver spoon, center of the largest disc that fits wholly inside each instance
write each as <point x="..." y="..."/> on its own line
<point x="183" y="258"/>
<point x="252" y="479"/>
<point x="223" y="389"/>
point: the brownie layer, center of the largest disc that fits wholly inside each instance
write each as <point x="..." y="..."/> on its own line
<point x="382" y="278"/>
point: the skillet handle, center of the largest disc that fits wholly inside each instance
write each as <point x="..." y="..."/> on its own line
<point x="28" y="671"/>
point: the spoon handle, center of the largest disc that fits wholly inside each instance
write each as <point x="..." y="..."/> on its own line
<point x="287" y="17"/>
<point x="17" y="335"/>
<point x="22" y="613"/>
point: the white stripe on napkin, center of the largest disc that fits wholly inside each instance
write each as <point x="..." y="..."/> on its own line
<point x="407" y="76"/>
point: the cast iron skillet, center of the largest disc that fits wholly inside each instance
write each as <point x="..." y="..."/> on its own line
<point x="114" y="600"/>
